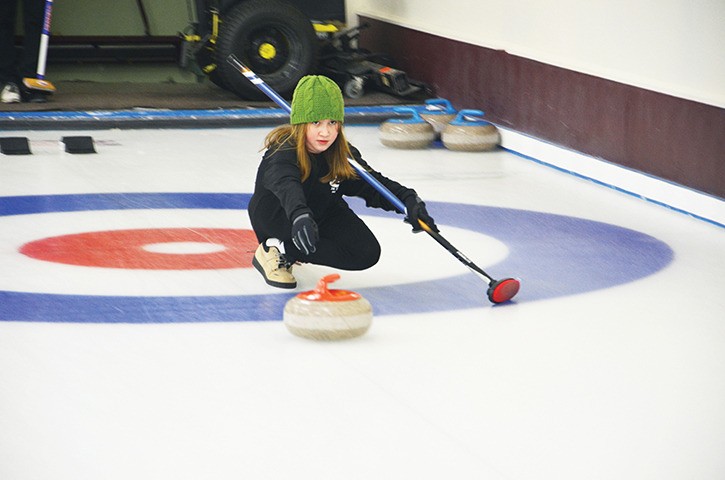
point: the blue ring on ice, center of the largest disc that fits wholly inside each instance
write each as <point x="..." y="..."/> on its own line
<point x="553" y="255"/>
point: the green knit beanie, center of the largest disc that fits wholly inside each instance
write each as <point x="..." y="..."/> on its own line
<point x="316" y="98"/>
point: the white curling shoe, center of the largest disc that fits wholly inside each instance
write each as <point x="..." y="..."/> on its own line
<point x="273" y="266"/>
<point x="10" y="93"/>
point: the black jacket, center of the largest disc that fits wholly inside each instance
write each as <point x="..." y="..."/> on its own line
<point x="280" y="196"/>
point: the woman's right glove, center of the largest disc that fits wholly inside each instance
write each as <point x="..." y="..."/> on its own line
<point x="305" y="234"/>
<point x="415" y="208"/>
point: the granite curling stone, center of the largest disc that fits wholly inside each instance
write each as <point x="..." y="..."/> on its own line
<point x="438" y="112"/>
<point x="407" y="133"/>
<point x="325" y="314"/>
<point x="468" y="132"/>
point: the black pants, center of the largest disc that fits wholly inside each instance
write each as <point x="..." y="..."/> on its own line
<point x="345" y="241"/>
<point x="14" y="67"/>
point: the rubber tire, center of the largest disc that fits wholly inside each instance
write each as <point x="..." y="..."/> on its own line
<point x="272" y="21"/>
<point x="354" y="88"/>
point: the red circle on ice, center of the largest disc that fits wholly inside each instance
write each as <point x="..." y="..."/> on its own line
<point x="187" y="249"/>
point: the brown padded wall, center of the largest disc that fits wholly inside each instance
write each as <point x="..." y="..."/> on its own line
<point x="672" y="138"/>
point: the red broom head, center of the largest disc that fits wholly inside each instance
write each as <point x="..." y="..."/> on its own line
<point x="504" y="290"/>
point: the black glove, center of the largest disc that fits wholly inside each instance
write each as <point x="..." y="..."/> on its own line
<point x="305" y="234"/>
<point x="415" y="208"/>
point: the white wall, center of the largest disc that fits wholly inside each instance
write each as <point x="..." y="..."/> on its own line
<point x="675" y="47"/>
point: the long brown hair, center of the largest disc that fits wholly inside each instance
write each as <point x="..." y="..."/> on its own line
<point x="293" y="136"/>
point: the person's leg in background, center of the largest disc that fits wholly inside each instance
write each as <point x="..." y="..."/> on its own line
<point x="33" y="18"/>
<point x="9" y="74"/>
<point x="15" y="66"/>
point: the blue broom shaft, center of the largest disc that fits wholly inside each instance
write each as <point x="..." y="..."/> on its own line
<point x="267" y="90"/>
<point x="232" y="59"/>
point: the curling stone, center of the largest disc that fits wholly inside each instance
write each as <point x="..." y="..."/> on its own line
<point x="324" y="314"/>
<point x="468" y="132"/>
<point x="407" y="133"/>
<point x="438" y="112"/>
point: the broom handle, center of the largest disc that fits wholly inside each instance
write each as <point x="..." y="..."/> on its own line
<point x="45" y="35"/>
<point x="267" y="90"/>
<point x="233" y="60"/>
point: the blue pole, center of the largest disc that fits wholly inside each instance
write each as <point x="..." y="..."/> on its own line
<point x="499" y="291"/>
<point x="276" y="98"/>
